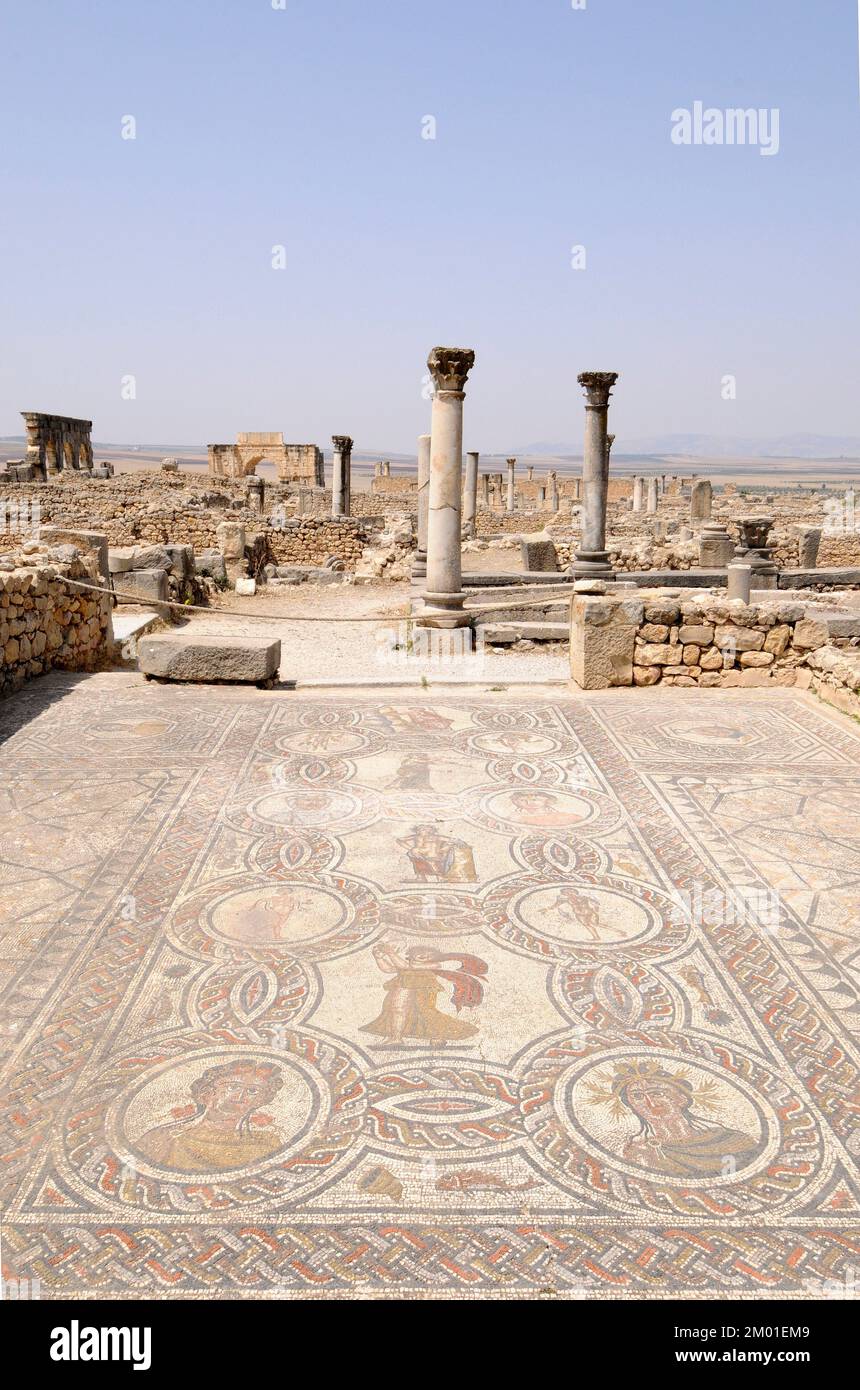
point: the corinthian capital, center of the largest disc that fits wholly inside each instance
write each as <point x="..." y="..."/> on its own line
<point x="342" y="443"/>
<point x="598" y="387"/>
<point x="450" y="366"/>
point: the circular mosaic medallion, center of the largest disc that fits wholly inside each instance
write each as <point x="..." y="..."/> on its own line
<point x="516" y="744"/>
<point x="681" y="1124"/>
<point x="207" y="1127"/>
<point x="300" y="808"/>
<point x="529" y="810"/>
<point x="309" y="916"/>
<point x="588" y="918"/>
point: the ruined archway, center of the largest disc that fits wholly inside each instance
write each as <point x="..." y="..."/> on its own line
<point x="293" y="463"/>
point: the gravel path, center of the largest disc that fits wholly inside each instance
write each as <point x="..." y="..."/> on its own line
<point x="351" y="651"/>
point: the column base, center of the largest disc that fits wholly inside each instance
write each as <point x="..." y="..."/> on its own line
<point x="592" y="564"/>
<point x="444" y="611"/>
<point x="419" y="565"/>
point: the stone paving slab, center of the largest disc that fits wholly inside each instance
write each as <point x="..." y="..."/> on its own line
<point x="417" y="995"/>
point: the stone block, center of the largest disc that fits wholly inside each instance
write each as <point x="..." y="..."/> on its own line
<point x="538" y="555"/>
<point x="654" y="632"/>
<point x="756" y="659"/>
<point x="175" y="656"/>
<point x="211" y="562"/>
<point x="646" y="675"/>
<point x="843" y="625"/>
<point x="245" y="586"/>
<point x="666" y="613"/>
<point x="231" y="540"/>
<point x="808" y="542"/>
<point x="120" y="560"/>
<point x="691" y="654"/>
<point x="150" y="557"/>
<point x="809" y="634"/>
<point x="602" y="638"/>
<point x="741" y="639"/>
<point x="181" y="560"/>
<point x="700" y="635"/>
<point x="144" y="586"/>
<point x="655" y="653"/>
<point x="711" y="660"/>
<point x="777" y="639"/>
<point x="95" y="541"/>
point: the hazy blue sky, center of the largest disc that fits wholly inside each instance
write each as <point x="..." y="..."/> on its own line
<point x="303" y="127"/>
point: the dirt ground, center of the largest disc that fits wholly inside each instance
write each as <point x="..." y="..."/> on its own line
<point x="360" y="633"/>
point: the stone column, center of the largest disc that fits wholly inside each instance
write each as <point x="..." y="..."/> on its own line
<point x="340" y="476"/>
<point x="255" y="493"/>
<point x="716" y="546"/>
<point x="485" y="490"/>
<point x="531" y="472"/>
<point x="541" y="498"/>
<point x="419" y="564"/>
<point x="701" y="495"/>
<point x="808" y="541"/>
<point x="638" y="498"/>
<point x="386" y="469"/>
<point x="651" y="505"/>
<point x="592" y="559"/>
<point x="739" y="581"/>
<point x="470" y="494"/>
<point x="552" y="491"/>
<point x="443" y="597"/>
<point x="512" y="463"/>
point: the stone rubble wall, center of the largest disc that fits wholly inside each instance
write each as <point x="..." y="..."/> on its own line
<point x="654" y="638"/>
<point x="151" y="509"/>
<point x="46" y="623"/>
<point x="311" y="540"/>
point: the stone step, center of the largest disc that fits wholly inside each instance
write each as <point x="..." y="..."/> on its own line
<point x="519" y="613"/>
<point x="132" y="622"/>
<point x="504" y="634"/>
<point x="507" y="577"/>
<point x="176" y="656"/>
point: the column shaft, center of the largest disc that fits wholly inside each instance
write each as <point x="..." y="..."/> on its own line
<point x="592" y="559"/>
<point x="419" y="566"/>
<point x="443" y="597"/>
<point x="470" y="495"/>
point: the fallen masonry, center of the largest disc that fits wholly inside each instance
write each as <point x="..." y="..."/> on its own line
<point x="183" y="657"/>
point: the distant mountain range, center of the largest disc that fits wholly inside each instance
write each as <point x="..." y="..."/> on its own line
<point x="795" y="446"/>
<point x="823" y="447"/>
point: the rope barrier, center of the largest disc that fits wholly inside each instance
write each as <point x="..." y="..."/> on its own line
<point x="297" y="618"/>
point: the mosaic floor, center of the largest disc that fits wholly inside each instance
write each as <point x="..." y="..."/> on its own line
<point x="426" y="996"/>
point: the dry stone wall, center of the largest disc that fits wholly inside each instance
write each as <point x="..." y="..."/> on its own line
<point x="46" y="622"/>
<point x="658" y="638"/>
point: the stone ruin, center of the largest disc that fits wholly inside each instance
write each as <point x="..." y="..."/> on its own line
<point x="55" y="444"/>
<point x="295" y="463"/>
<point x="172" y="543"/>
